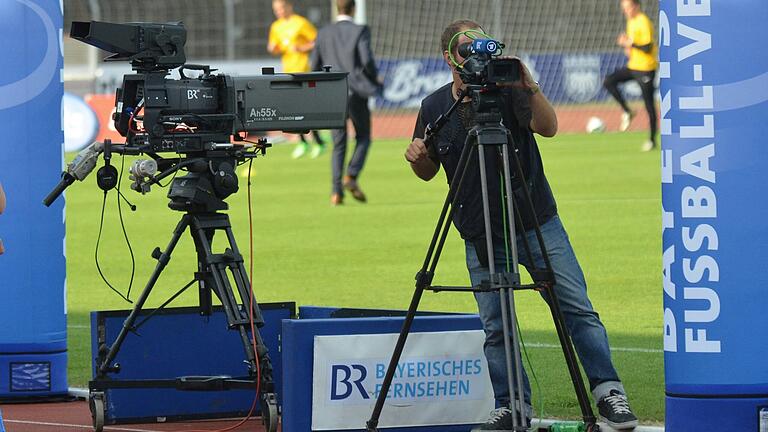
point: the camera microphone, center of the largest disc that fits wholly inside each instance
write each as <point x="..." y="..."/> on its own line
<point x="66" y="180"/>
<point x="131" y="205"/>
<point x="78" y="169"/>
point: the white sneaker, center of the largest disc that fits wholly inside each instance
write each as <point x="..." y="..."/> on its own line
<point x="648" y="145"/>
<point x="626" y="119"/>
<point x="317" y="150"/>
<point x="300" y="150"/>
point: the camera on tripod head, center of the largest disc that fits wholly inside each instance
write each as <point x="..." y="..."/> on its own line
<point x="199" y="118"/>
<point x="483" y="67"/>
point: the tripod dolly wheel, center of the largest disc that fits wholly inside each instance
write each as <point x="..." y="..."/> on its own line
<point x="269" y="414"/>
<point x="96" y="404"/>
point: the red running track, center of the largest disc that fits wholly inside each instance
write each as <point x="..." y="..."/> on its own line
<point x="75" y="417"/>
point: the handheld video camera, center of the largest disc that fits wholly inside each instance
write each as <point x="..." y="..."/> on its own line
<point x="482" y="65"/>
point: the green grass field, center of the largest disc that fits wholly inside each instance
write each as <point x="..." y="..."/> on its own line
<point x="365" y="255"/>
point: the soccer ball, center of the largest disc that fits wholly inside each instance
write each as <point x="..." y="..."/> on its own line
<point x="595" y="125"/>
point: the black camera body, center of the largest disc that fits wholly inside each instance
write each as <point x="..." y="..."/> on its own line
<point x="483" y="66"/>
<point x="202" y="118"/>
<point x="190" y="114"/>
<point x="195" y="114"/>
<point x="482" y="70"/>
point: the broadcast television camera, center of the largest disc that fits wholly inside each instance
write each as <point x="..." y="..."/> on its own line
<point x="482" y="66"/>
<point x="199" y="118"/>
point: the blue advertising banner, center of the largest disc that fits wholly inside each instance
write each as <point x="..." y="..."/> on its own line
<point x="714" y="102"/>
<point x="33" y="333"/>
<point x="565" y="78"/>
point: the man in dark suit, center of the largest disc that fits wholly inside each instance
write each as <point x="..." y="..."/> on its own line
<point x="346" y="47"/>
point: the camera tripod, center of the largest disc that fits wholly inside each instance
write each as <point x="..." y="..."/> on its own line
<point x="212" y="276"/>
<point x="489" y="134"/>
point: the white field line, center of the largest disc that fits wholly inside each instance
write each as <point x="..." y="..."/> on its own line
<point x="77" y="426"/>
<point x="528" y="344"/>
<point x="617" y="349"/>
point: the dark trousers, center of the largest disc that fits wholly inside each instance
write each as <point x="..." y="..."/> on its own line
<point x="361" y="121"/>
<point x="646" y="81"/>
<point x="315" y="135"/>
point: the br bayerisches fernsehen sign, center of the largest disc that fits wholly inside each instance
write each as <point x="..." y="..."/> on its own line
<point x="441" y="379"/>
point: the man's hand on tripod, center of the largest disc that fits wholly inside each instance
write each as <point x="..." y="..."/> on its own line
<point x="421" y="164"/>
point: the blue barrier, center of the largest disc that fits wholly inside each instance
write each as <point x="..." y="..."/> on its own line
<point x="178" y="342"/>
<point x="714" y="105"/>
<point x="33" y="337"/>
<point x="298" y="342"/>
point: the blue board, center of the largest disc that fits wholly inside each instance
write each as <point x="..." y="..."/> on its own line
<point x="298" y="346"/>
<point x="178" y="342"/>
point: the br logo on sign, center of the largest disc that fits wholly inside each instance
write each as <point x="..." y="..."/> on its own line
<point x="345" y="379"/>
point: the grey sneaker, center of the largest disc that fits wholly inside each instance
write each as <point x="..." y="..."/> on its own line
<point x="614" y="410"/>
<point x="500" y="420"/>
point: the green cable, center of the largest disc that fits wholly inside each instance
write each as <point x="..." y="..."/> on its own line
<point x="472" y="34"/>
<point x="519" y="331"/>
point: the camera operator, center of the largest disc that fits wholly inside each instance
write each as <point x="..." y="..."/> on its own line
<point x="526" y="111"/>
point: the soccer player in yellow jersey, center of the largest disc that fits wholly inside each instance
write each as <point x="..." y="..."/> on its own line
<point x="292" y="37"/>
<point x="642" y="51"/>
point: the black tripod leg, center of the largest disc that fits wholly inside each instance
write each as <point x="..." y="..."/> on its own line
<point x="570" y="357"/>
<point x="511" y="212"/>
<point x="506" y="298"/>
<point x="162" y="261"/>
<point x="215" y="267"/>
<point x="423" y="280"/>
<point x="262" y="353"/>
<point x="206" y="283"/>
<point x="557" y="314"/>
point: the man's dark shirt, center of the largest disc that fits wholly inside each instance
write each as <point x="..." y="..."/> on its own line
<point x="446" y="149"/>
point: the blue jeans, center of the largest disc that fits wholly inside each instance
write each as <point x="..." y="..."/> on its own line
<point x="583" y="323"/>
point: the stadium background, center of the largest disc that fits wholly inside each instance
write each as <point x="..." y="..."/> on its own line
<point x="619" y="202"/>
<point x="568" y="45"/>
